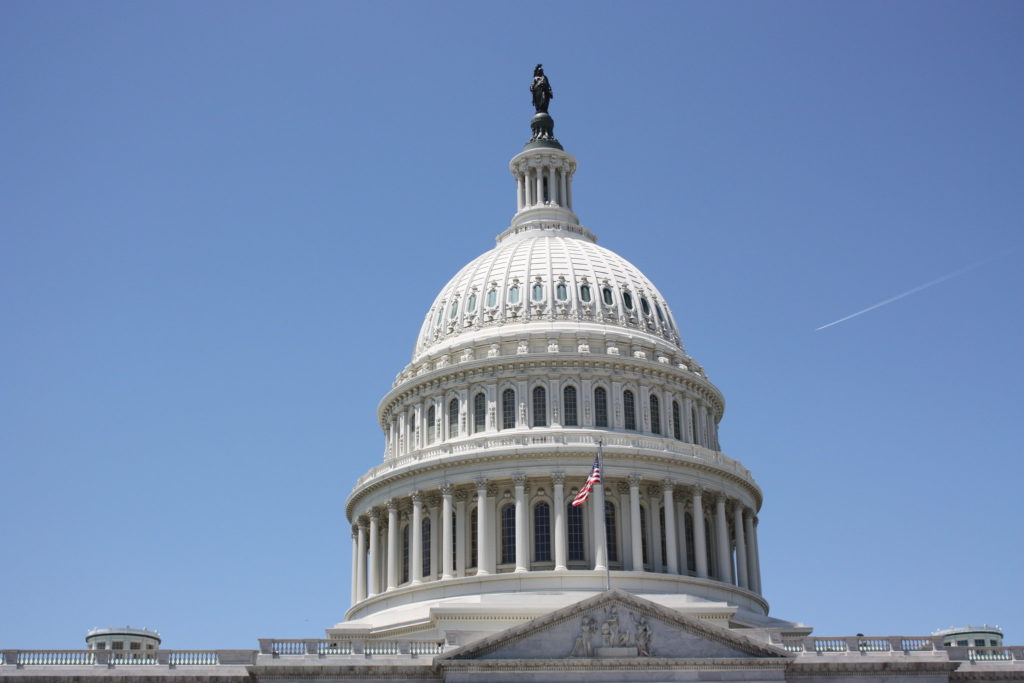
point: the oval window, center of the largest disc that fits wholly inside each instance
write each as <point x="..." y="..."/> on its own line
<point x="454" y="310"/>
<point x="471" y="303"/>
<point x="645" y="306"/>
<point x="661" y="317"/>
<point x="538" y="292"/>
<point x="492" y="298"/>
<point x="513" y="294"/>
<point x="561" y="292"/>
<point x="585" y="293"/>
<point x="627" y="299"/>
<point x="606" y="293"/>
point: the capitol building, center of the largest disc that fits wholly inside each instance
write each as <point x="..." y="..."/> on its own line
<point x="547" y="371"/>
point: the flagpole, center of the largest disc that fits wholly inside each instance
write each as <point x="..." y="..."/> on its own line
<point x="607" y="563"/>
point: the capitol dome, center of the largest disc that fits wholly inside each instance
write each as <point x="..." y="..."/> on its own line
<point x="545" y="360"/>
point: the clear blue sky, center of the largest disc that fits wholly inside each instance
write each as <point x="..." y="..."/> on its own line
<point x="222" y="223"/>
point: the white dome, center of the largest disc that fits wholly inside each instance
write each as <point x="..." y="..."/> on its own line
<point x="546" y="278"/>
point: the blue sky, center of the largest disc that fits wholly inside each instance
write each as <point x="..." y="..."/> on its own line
<point x="222" y="222"/>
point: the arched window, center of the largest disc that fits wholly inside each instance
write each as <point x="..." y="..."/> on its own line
<point x="609" y="532"/>
<point x="431" y="424"/>
<point x="707" y="544"/>
<point x="425" y="532"/>
<point x="629" y="409"/>
<point x="569" y="406"/>
<point x="574" y="527"/>
<point x="540" y="407"/>
<point x="538" y="292"/>
<point x="661" y="316"/>
<point x="492" y="298"/>
<point x="513" y="294"/>
<point x="585" y="294"/>
<point x="405" y="553"/>
<point x="655" y="414"/>
<point x="471" y="560"/>
<point x="677" y="430"/>
<point x="471" y="303"/>
<point x="479" y="412"/>
<point x="693" y="425"/>
<point x="508" y="534"/>
<point x="627" y="299"/>
<point x="453" y="418"/>
<point x="455" y="538"/>
<point x="508" y="409"/>
<point x="600" y="407"/>
<point x="644" y="306"/>
<point x="412" y="432"/>
<point x="542" y="532"/>
<point x="561" y="292"/>
<point x="643" y="534"/>
<point x="606" y="295"/>
<point x="454" y="310"/>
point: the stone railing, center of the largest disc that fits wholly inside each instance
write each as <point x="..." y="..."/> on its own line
<point x="115" y="658"/>
<point x="814" y="645"/>
<point x="360" y="647"/>
<point x="684" y="452"/>
<point x="987" y="654"/>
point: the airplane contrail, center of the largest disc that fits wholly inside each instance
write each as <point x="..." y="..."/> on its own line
<point x="926" y="285"/>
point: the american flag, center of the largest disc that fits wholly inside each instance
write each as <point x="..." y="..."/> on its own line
<point x="594" y="478"/>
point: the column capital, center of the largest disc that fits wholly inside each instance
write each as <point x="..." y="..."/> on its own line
<point x="558" y="478"/>
<point x="634" y="480"/>
<point x="417" y="497"/>
<point x="355" y="531"/>
<point x="519" y="479"/>
<point x="621" y="487"/>
<point x="392" y="505"/>
<point x="432" y="500"/>
<point x="481" y="484"/>
<point x="460" y="495"/>
<point x="667" y="486"/>
<point x="492" y="490"/>
<point x="653" y="491"/>
<point x="447" y="489"/>
<point x="373" y="514"/>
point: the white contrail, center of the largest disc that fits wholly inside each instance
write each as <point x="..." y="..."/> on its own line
<point x="926" y="285"/>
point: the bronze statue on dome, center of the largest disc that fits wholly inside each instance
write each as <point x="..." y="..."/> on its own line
<point x="541" y="90"/>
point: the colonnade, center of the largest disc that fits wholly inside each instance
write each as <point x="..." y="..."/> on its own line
<point x="526" y="524"/>
<point x="545" y="180"/>
<point x="686" y="417"/>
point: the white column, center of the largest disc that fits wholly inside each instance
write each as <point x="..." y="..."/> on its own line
<point x="558" y="502"/>
<point x="636" y="533"/>
<point x="568" y="193"/>
<point x="700" y="545"/>
<point x="681" y="536"/>
<point x="416" y="549"/>
<point x="372" y="585"/>
<point x="722" y="540"/>
<point x="689" y="429"/>
<point x="748" y="528"/>
<point x="355" y="564"/>
<point x="461" y="533"/>
<point x="600" y="532"/>
<point x="561" y="187"/>
<point x="392" y="544"/>
<point x="446" y="531"/>
<point x="756" y="567"/>
<point x="539" y="179"/>
<point x="522" y="535"/>
<point x="361" y="566"/>
<point x="492" y="528"/>
<point x="671" y="551"/>
<point x="520" y="198"/>
<point x="481" y="528"/>
<point x="552" y="188"/>
<point x="653" y="510"/>
<point x="741" y="546"/>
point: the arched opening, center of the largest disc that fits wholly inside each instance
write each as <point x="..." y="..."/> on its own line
<point x="677" y="431"/>
<point x="508" y="409"/>
<point x="655" y="406"/>
<point x="453" y="418"/>
<point x="600" y="407"/>
<point x="574" y="535"/>
<point x="629" y="409"/>
<point x="611" y="532"/>
<point x="508" y="534"/>
<point x="542" y="532"/>
<point x="479" y="412"/>
<point x="569" y="406"/>
<point x="425" y="559"/>
<point x="540" y="407"/>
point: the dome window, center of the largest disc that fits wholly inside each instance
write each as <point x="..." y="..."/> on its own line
<point x="440" y="315"/>
<point x="561" y="292"/>
<point x="606" y="293"/>
<point x="627" y="299"/>
<point x="538" y="292"/>
<point x="646" y="307"/>
<point x="454" y="310"/>
<point x="513" y="294"/>
<point x="661" y="316"/>
<point x="471" y="303"/>
<point x="492" y="298"/>
<point x="585" y="293"/>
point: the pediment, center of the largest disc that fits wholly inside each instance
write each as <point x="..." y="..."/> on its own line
<point x="615" y="625"/>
